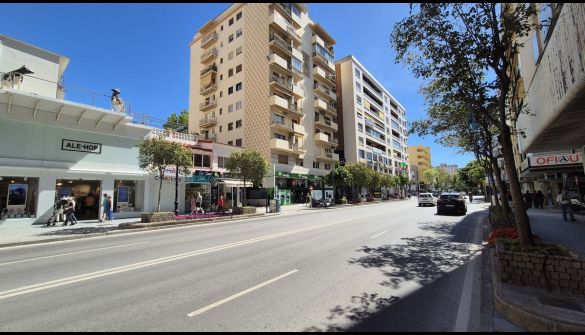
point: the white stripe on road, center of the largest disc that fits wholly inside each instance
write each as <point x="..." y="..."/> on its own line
<point x="237" y="295"/>
<point x="382" y="233"/>
<point x="71" y="253"/>
<point x="140" y="265"/>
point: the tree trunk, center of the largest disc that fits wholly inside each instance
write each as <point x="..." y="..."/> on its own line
<point x="159" y="190"/>
<point x="244" y="197"/>
<point x="522" y="221"/>
<point x="490" y="173"/>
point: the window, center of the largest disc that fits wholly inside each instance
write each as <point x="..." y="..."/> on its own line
<point x="358" y="73"/>
<point x="220" y="127"/>
<point x="296" y="11"/>
<point x="230" y="108"/>
<point x="238" y="86"/>
<point x="361" y="140"/>
<point x="230" y="55"/>
<point x="315" y="165"/>
<point x="282" y="159"/>
<point x="239" y="124"/>
<point x="358" y="99"/>
<point x="222" y="161"/>
<point x="231" y="38"/>
<point x="221" y="60"/>
<point x="238" y="51"/>
<point x="239" y="142"/>
<point x="201" y="160"/>
<point x="327" y="166"/>
<point x="300" y="162"/>
<point x="231" y="21"/>
<point x="230" y="72"/>
<point x="230" y="126"/>
<point x="230" y="90"/>
<point x="360" y="127"/>
<point x="361" y="153"/>
<point x="231" y="142"/>
<point x="238" y="33"/>
<point x="280" y="137"/>
<point x="220" y="111"/>
<point x="297" y="64"/>
<point x="220" y="94"/>
<point x="239" y="68"/>
<point x="238" y="16"/>
<point x="239" y="105"/>
<point x="221" y="27"/>
<point x="358" y="86"/>
<point x="220" y="77"/>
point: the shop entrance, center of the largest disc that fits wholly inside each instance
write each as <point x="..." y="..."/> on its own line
<point x="86" y="194"/>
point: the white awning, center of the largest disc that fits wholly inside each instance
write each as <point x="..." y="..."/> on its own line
<point x="235" y="183"/>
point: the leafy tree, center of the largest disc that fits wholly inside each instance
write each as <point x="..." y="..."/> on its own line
<point x="338" y="177"/>
<point x="175" y="121"/>
<point x="360" y="175"/>
<point x="375" y="181"/>
<point x="469" y="48"/>
<point x="248" y="165"/>
<point x="430" y="176"/>
<point x="156" y="154"/>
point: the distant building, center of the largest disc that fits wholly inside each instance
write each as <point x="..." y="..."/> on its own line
<point x="450" y="169"/>
<point x="419" y="157"/>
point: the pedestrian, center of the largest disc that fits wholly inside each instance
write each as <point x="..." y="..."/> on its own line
<point x="565" y="203"/>
<point x="528" y="199"/>
<point x="470" y="197"/>
<point x="69" y="211"/>
<point x="105" y="208"/>
<point x="220" y="203"/>
<point x="198" y="202"/>
<point x="111" y="208"/>
<point x="192" y="203"/>
<point x="307" y="199"/>
<point x="539" y="199"/>
<point x="549" y="198"/>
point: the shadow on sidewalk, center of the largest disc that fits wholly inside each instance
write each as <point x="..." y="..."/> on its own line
<point x="76" y="230"/>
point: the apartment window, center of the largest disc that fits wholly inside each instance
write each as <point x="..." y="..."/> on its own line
<point x="230" y="126"/>
<point x="221" y="27"/>
<point x="220" y="111"/>
<point x="231" y="142"/>
<point x="358" y="86"/>
<point x="358" y="99"/>
<point x="230" y="72"/>
<point x="358" y="73"/>
<point x="315" y="165"/>
<point x="220" y="127"/>
<point x="327" y="166"/>
<point x="280" y="137"/>
<point x="239" y="105"/>
<point x="231" y="38"/>
<point x="361" y="153"/>
<point x="282" y="159"/>
<point x="238" y="86"/>
<point x="220" y="77"/>
<point x="230" y="108"/>
<point x="231" y="21"/>
<point x="201" y="160"/>
<point x="230" y="55"/>
<point x="239" y="142"/>
<point x="361" y="140"/>
<point x="239" y="68"/>
<point x="230" y="90"/>
<point x="239" y="124"/>
<point x="360" y="127"/>
<point x="238" y="16"/>
<point x="238" y="33"/>
<point x="238" y="51"/>
<point x="359" y="115"/>
<point x="300" y="163"/>
<point x="222" y="161"/>
<point x="221" y="60"/>
<point x="297" y="64"/>
<point x="221" y="44"/>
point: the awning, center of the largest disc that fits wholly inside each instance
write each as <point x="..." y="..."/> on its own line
<point x="235" y="183"/>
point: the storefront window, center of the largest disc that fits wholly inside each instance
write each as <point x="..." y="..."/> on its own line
<point x="18" y="197"/>
<point x="86" y="194"/>
<point x="127" y="195"/>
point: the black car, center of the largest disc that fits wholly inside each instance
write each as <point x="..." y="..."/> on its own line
<point x="451" y="202"/>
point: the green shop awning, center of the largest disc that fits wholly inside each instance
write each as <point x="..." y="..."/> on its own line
<point x="296" y="175"/>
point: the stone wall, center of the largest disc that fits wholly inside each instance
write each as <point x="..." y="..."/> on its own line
<point x="557" y="273"/>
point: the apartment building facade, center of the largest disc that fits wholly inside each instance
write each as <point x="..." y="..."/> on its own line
<point x="450" y="169"/>
<point x="263" y="77"/>
<point x="372" y="122"/>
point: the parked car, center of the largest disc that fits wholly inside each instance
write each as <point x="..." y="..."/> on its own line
<point x="478" y="199"/>
<point x="426" y="199"/>
<point x="451" y="202"/>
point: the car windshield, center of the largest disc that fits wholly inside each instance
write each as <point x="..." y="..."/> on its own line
<point x="424" y="195"/>
<point x="449" y="196"/>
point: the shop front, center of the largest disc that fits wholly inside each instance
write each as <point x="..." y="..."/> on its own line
<point x="292" y="188"/>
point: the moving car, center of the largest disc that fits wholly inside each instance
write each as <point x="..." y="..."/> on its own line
<point x="426" y="199"/>
<point x="451" y="202"/>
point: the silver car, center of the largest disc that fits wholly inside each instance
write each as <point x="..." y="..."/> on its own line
<point x="426" y="199"/>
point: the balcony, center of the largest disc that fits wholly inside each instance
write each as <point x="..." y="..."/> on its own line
<point x="281" y="63"/>
<point x="323" y="62"/>
<point x="280" y="43"/>
<point x="207" y="122"/>
<point x="326" y="155"/>
<point x="319" y="104"/>
<point x="208" y="70"/>
<point x="282" y="145"/>
<point x="324" y="139"/>
<point x="323" y="75"/>
<point x="280" y="82"/>
<point x="327" y="124"/>
<point x="209" y="55"/>
<point x="207" y="105"/>
<point x="324" y="91"/>
<point x="298" y="91"/>
<point x="173" y="136"/>
<point x="285" y="105"/>
<point x="208" y="39"/>
<point x="276" y="20"/>
<point x="208" y="88"/>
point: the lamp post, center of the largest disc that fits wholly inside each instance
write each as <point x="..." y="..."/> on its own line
<point x="176" y="190"/>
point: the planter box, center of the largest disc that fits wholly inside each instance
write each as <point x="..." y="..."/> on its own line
<point x="157" y="217"/>
<point x="244" y="210"/>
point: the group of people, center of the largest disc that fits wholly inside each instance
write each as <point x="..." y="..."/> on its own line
<point x="535" y="197"/>
<point x="107" y="206"/>
<point x="196" y="203"/>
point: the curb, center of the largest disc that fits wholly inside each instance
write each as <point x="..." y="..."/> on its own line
<point x="525" y="316"/>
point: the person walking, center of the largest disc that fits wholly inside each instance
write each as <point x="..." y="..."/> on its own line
<point x="193" y="206"/>
<point x="198" y="202"/>
<point x="70" y="212"/>
<point x="105" y="208"/>
<point x="565" y="204"/>
<point x="528" y="199"/>
<point x="539" y="199"/>
<point x="110" y="208"/>
<point x="220" y="203"/>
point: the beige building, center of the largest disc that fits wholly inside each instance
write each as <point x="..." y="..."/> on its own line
<point x="419" y="158"/>
<point x="450" y="169"/>
<point x="263" y="77"/>
<point x="372" y="123"/>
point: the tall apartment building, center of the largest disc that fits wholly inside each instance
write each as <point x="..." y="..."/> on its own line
<point x="373" y="122"/>
<point x="450" y="169"/>
<point x="263" y="77"/>
<point x="419" y="158"/>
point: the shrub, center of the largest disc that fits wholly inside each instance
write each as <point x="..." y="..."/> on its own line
<point x="506" y="233"/>
<point x="539" y="247"/>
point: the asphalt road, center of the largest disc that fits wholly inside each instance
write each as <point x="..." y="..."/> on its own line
<point x="384" y="267"/>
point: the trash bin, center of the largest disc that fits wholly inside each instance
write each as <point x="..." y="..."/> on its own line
<point x="277" y="205"/>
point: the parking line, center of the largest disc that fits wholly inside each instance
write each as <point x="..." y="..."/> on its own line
<point x="384" y="232"/>
<point x="237" y="295"/>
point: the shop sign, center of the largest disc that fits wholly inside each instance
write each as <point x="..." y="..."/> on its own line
<point x="556" y="159"/>
<point x="72" y="145"/>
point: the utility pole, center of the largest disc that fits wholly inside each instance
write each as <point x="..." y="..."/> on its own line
<point x="176" y="190"/>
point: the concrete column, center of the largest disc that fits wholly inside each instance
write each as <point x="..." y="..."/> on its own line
<point x="46" y="198"/>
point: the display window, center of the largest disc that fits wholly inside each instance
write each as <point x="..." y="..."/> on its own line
<point x="86" y="194"/>
<point x="18" y="197"/>
<point x="126" y="193"/>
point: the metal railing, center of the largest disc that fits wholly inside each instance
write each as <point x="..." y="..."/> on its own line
<point x="209" y="37"/>
<point x="281" y="42"/>
<point x="212" y="67"/>
<point x="208" y="86"/>
<point x="171" y="134"/>
<point x="207" y="103"/>
<point x="281" y="82"/>
<point x="212" y="52"/>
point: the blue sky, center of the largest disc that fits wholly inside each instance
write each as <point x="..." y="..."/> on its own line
<point x="143" y="50"/>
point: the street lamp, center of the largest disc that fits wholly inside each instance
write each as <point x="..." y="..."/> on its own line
<point x="176" y="190"/>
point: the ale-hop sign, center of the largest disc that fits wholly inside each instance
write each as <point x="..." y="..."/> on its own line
<point x="72" y="145"/>
<point x="556" y="159"/>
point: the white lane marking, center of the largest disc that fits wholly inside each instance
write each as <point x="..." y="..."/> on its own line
<point x="237" y="295"/>
<point x="140" y="265"/>
<point x="382" y="233"/>
<point x="463" y="312"/>
<point x="71" y="253"/>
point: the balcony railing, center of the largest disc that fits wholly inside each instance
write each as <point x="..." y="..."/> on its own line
<point x="207" y="121"/>
<point x="208" y="88"/>
<point x="206" y="104"/>
<point x="173" y="135"/>
<point x="208" y="38"/>
<point x="208" y="69"/>
<point x="281" y="82"/>
<point x="209" y="55"/>
<point x="281" y="42"/>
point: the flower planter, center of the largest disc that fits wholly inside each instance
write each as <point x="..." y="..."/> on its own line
<point x="244" y="210"/>
<point x="157" y="217"/>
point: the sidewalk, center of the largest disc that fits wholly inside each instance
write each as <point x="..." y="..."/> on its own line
<point x="537" y="309"/>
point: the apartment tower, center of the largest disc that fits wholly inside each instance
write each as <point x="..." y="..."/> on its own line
<point x="419" y="158"/>
<point x="373" y="122"/>
<point x="263" y="77"/>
